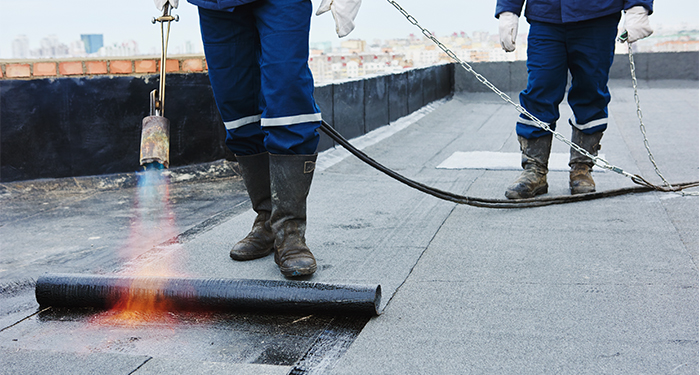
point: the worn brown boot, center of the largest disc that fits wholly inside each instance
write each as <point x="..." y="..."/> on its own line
<point x="580" y="179"/>
<point x="290" y="177"/>
<point x="256" y="176"/>
<point x="535" y="159"/>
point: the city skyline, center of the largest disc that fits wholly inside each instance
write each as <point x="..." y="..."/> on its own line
<point x="664" y="39"/>
<point x="376" y="20"/>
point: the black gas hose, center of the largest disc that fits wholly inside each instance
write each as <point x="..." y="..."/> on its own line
<point x="645" y="186"/>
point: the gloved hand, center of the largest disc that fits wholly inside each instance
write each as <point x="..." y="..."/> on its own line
<point x="161" y="3"/>
<point x="344" y="13"/>
<point x="508" y="30"/>
<point x="637" y="23"/>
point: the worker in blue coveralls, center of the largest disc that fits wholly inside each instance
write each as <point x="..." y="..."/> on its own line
<point x="576" y="36"/>
<point x="257" y="54"/>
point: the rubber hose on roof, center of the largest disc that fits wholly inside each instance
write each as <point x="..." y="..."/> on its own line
<point x="489" y="203"/>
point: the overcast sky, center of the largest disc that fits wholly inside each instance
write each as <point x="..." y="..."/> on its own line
<point x="124" y="20"/>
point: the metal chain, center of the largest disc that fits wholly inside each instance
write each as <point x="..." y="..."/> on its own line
<point x="596" y="159"/>
<point x="639" y="114"/>
<point x="642" y="128"/>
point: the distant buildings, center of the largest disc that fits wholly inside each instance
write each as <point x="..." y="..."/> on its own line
<point x="92" y="45"/>
<point x="52" y="47"/>
<point x="331" y="67"/>
<point x="358" y="58"/>
<point x="92" y="42"/>
<point x="669" y="39"/>
<point x="20" y="47"/>
<point x="355" y="58"/>
<point x="126" y="48"/>
<point x="49" y="47"/>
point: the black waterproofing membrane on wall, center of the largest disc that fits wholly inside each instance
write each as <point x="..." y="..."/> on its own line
<point x="85" y="126"/>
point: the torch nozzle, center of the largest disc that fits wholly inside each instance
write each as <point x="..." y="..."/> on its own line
<point x="155" y="141"/>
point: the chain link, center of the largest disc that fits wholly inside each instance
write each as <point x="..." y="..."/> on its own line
<point x="596" y="159"/>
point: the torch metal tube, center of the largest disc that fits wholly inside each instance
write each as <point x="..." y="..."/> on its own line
<point x="155" y="140"/>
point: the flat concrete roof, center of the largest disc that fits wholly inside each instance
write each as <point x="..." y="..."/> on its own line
<point x="603" y="286"/>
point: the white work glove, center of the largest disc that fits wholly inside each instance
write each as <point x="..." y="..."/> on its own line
<point x="637" y="23"/>
<point x="161" y="3"/>
<point x="508" y="30"/>
<point x="344" y="13"/>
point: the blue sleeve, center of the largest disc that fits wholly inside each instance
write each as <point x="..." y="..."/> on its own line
<point x="649" y="4"/>
<point x="513" y="6"/>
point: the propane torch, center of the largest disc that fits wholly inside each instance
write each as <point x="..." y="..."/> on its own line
<point x="155" y="132"/>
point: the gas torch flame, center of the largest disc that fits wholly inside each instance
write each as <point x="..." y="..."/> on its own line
<point x="153" y="223"/>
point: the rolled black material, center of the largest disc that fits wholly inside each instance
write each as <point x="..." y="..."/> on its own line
<point x="275" y="296"/>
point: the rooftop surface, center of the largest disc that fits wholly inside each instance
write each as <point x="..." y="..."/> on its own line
<point x="604" y="286"/>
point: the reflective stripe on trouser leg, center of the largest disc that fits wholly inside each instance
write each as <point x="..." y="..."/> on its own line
<point x="591" y="49"/>
<point x="232" y="47"/>
<point x="290" y="116"/>
<point x="546" y="79"/>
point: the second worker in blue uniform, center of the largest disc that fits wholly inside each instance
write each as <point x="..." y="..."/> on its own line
<point x="566" y="36"/>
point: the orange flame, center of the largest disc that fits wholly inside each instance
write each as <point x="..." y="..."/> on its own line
<point x="153" y="224"/>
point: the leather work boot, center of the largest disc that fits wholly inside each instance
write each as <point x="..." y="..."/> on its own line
<point x="256" y="176"/>
<point x="580" y="179"/>
<point x="290" y="177"/>
<point x="535" y="159"/>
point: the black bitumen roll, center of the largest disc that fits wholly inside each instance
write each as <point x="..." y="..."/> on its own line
<point x="196" y="294"/>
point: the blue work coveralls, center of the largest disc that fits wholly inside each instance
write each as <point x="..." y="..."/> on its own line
<point x="257" y="54"/>
<point x="576" y="36"/>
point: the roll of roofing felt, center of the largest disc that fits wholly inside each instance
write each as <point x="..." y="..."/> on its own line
<point x="195" y="294"/>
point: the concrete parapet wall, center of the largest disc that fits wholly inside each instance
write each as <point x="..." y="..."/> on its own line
<point x="82" y="124"/>
<point x="83" y="117"/>
<point x="658" y="66"/>
<point x="512" y="76"/>
<point x="357" y="107"/>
